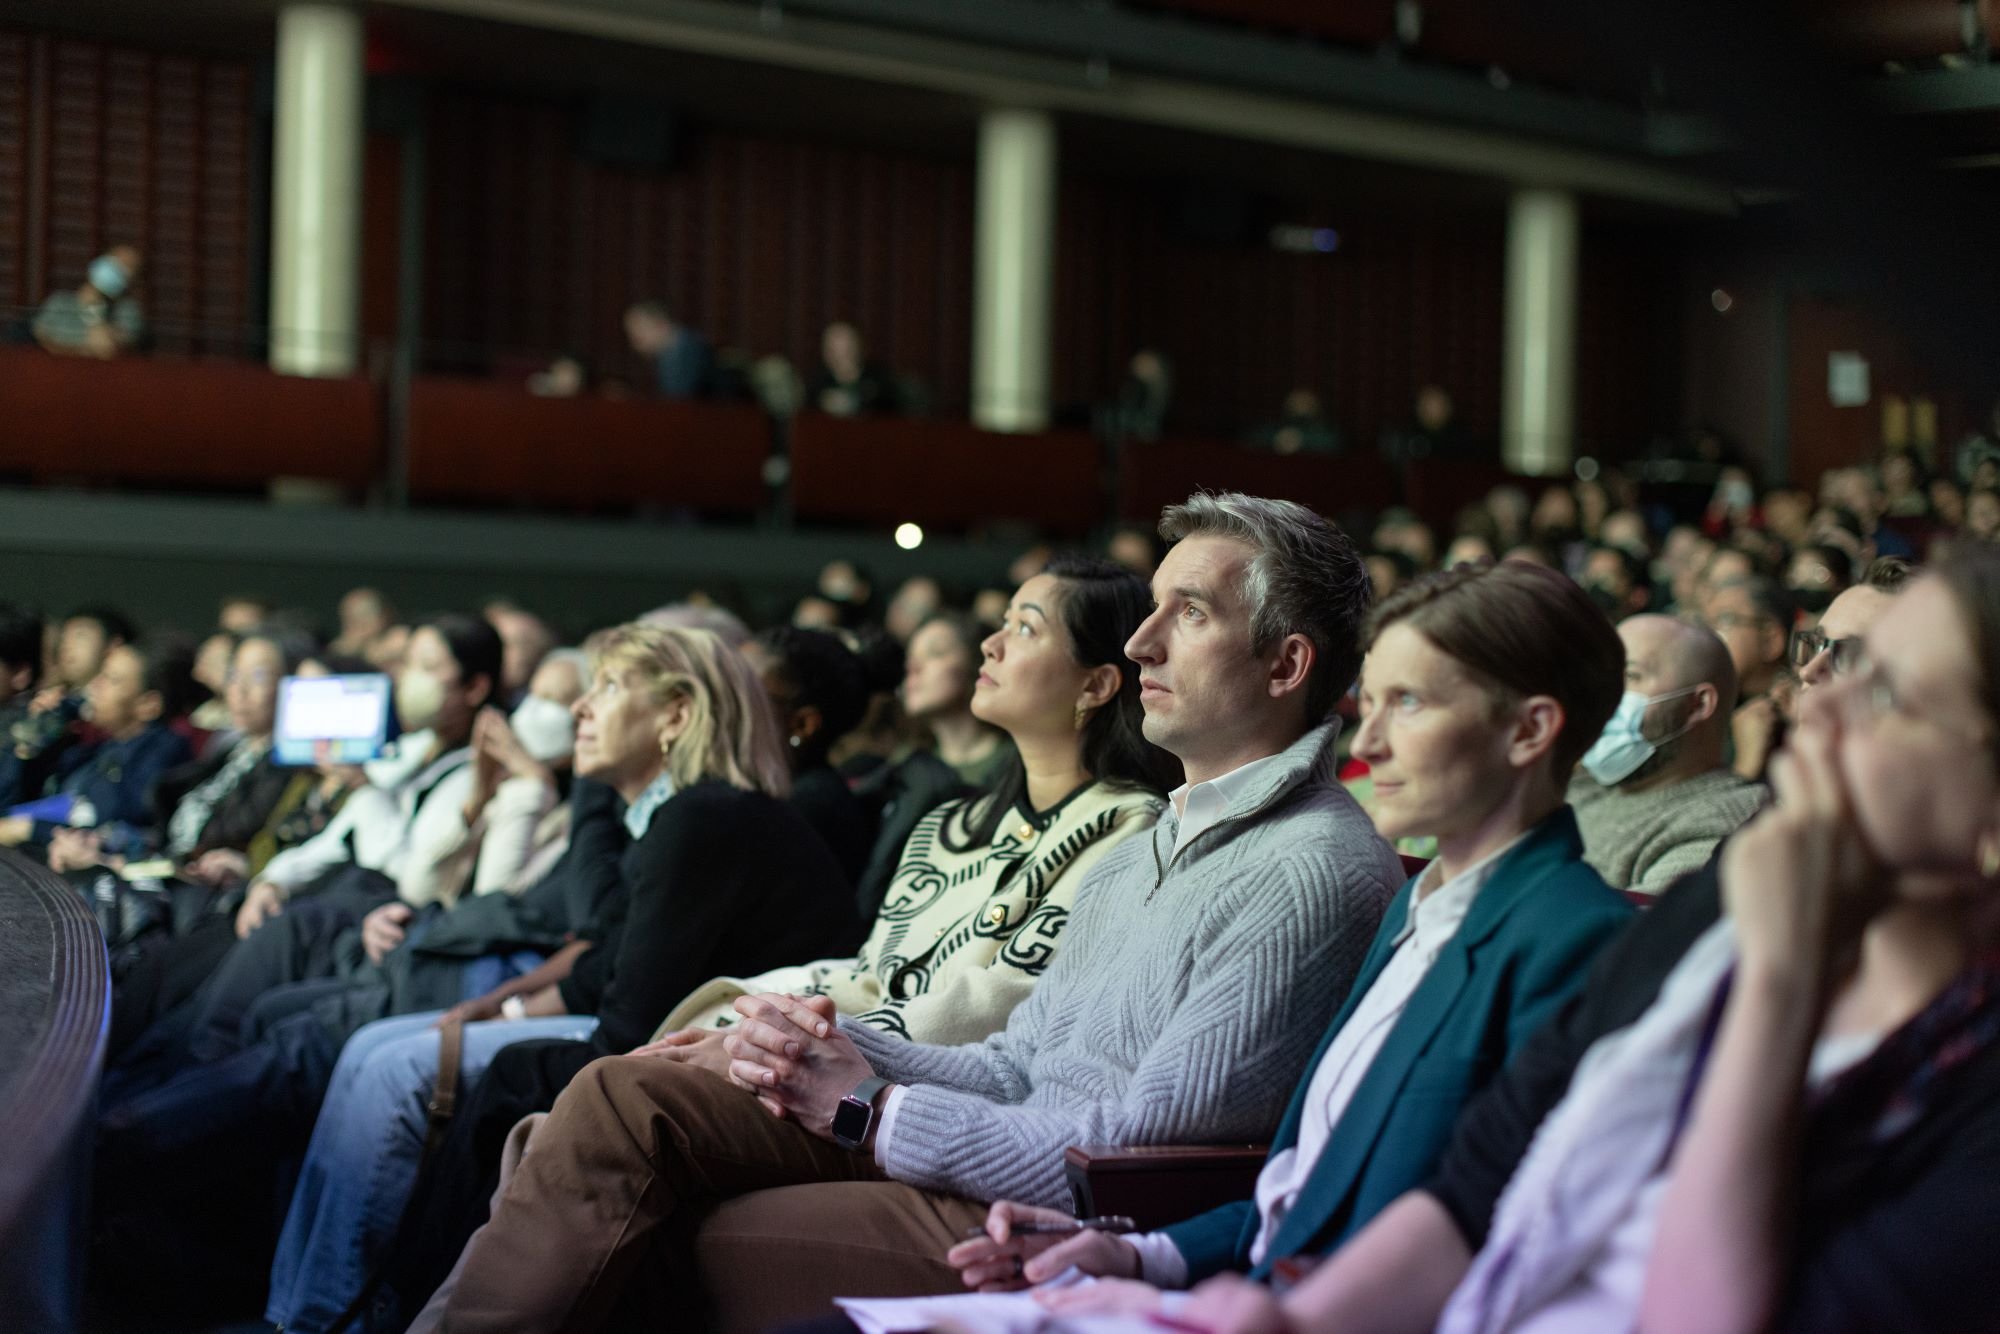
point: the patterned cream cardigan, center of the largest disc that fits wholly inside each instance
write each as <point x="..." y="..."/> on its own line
<point x="961" y="936"/>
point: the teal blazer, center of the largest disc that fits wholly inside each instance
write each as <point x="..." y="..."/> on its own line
<point x="1522" y="949"/>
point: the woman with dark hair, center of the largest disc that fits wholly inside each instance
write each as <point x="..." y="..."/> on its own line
<point x="940" y="675"/>
<point x="950" y="964"/>
<point x="820" y="692"/>
<point x="937" y="673"/>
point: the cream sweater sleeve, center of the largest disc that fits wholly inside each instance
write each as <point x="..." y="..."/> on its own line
<point x="966" y="1004"/>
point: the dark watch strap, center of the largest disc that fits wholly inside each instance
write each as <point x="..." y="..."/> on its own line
<point x="855" y="1116"/>
<point x="866" y="1090"/>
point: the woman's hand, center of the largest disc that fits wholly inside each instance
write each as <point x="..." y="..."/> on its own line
<point x="478" y="1010"/>
<point x="1107" y="1296"/>
<point x="217" y="867"/>
<point x="699" y="1047"/>
<point x="1004" y="1260"/>
<point x="382" y="929"/>
<point x="1751" y="730"/>
<point x="496" y="744"/>
<point x="260" y="905"/>
<point x="1798" y="881"/>
<point x="1232" y="1304"/>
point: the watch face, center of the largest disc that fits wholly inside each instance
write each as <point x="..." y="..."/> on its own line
<point x="850" y="1121"/>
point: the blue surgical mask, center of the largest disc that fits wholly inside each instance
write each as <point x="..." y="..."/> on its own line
<point x="108" y="276"/>
<point x="1622" y="746"/>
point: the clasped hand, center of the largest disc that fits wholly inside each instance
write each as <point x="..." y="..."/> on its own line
<point x="790" y="1053"/>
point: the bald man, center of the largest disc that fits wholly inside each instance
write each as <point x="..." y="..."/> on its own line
<point x="1654" y="796"/>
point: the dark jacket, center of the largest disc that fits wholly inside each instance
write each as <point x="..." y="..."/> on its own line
<point x="1520" y="953"/>
<point x="1895" y="1236"/>
<point x="240" y="815"/>
<point x="840" y="819"/>
<point x="724" y="883"/>
<point x="116" y="778"/>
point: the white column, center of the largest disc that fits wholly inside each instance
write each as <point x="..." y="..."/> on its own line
<point x="1013" y="271"/>
<point x="1539" y="383"/>
<point x="316" y="191"/>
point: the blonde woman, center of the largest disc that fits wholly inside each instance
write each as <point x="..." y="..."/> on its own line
<point x="721" y="875"/>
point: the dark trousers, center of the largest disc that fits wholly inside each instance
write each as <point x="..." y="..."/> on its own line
<point x="300" y="944"/>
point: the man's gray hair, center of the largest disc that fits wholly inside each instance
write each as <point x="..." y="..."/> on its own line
<point x="1306" y="578"/>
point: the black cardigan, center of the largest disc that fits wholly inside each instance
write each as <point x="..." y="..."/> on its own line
<point x="1899" y="1237"/>
<point x="724" y="883"/>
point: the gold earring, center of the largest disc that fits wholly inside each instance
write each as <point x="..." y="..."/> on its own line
<point x="1082" y="717"/>
<point x="1989" y="858"/>
<point x="666" y="748"/>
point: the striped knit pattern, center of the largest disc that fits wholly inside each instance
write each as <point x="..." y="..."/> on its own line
<point x="1182" y="1007"/>
<point x="963" y="935"/>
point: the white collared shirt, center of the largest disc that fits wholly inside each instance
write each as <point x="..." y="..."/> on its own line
<point x="1436" y="913"/>
<point x="1201" y="805"/>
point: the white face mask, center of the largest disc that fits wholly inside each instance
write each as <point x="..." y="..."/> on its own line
<point x="1623" y="746"/>
<point x="544" y="728"/>
<point x="419" y="699"/>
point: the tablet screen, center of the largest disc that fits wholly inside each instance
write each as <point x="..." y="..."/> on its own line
<point x="348" y="713"/>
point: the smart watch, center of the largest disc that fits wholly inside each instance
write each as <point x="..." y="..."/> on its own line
<point x="855" y="1116"/>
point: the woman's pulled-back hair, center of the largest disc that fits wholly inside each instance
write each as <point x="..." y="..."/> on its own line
<point x="1100" y="604"/>
<point x="732" y="733"/>
<point x="821" y="672"/>
<point x="1522" y="630"/>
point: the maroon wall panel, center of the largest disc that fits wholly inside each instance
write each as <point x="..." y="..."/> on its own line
<point x="162" y="419"/>
<point x="476" y="441"/>
<point x="1401" y="303"/>
<point x="100" y="145"/>
<point x="759" y="242"/>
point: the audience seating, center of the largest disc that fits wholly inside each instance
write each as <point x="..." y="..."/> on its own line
<point x="55" y="1002"/>
<point x="160" y="420"/>
<point x="1160" y="1184"/>
<point x="887" y="470"/>
<point x="484" y="442"/>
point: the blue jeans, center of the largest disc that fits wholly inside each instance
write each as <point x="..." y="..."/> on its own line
<point x="362" y="1162"/>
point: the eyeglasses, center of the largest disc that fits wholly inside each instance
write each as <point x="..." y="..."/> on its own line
<point x="1849" y="654"/>
<point x="1871" y="696"/>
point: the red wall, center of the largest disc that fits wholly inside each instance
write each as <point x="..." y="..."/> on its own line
<point x="758" y="242"/>
<point x="100" y="145"/>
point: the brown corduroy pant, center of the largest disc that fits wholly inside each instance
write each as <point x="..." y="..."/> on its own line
<point x="662" y="1197"/>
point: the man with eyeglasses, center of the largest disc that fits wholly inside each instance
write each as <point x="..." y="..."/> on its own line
<point x="1833" y="647"/>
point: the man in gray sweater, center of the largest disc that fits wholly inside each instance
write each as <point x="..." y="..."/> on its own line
<point x="1199" y="968"/>
<point x="1654" y="796"/>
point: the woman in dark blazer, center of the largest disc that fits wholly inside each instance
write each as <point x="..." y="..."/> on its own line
<point x="1481" y="689"/>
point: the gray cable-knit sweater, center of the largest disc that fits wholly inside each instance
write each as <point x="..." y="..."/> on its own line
<point x="1183" y="1007"/>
